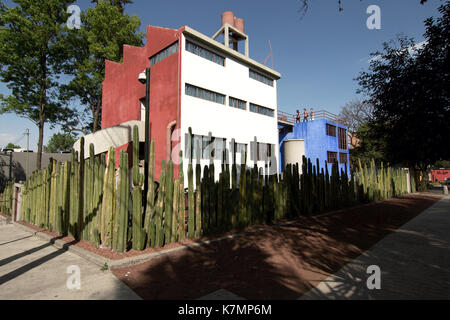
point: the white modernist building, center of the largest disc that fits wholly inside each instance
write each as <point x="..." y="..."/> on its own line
<point x="230" y="97"/>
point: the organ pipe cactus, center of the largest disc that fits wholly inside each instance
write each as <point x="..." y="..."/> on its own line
<point x="121" y="224"/>
<point x="150" y="209"/>
<point x="182" y="207"/>
<point x="108" y="203"/>
<point x="138" y="181"/>
<point x="168" y="202"/>
<point x="159" y="231"/>
<point x="191" y="203"/>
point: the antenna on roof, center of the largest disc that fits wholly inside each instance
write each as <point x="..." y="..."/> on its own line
<point x="270" y="54"/>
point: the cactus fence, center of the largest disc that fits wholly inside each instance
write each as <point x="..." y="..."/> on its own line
<point x="91" y="200"/>
<point x="6" y="199"/>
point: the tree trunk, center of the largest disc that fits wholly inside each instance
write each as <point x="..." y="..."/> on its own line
<point x="95" y="115"/>
<point x="42" y="110"/>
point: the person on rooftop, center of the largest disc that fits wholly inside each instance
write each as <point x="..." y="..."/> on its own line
<point x="305" y="115"/>
<point x="298" y="117"/>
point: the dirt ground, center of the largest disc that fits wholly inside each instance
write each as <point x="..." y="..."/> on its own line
<point x="278" y="262"/>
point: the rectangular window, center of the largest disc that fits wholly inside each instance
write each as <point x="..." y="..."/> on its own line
<point x="342" y="134"/>
<point x="202" y="147"/>
<point x="332" y="157"/>
<point x="164" y="53"/>
<point x="259" y="77"/>
<point x="236" y="103"/>
<point x="220" y="147"/>
<point x="261" y="110"/>
<point x="204" y="94"/>
<point x="263" y="150"/>
<point x="343" y="158"/>
<point x="240" y="148"/>
<point x="196" y="146"/>
<point x="204" y="53"/>
<point x="331" y="130"/>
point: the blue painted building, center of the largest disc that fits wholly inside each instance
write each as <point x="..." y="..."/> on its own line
<point x="322" y="138"/>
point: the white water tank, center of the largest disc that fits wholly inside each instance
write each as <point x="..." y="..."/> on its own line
<point x="293" y="151"/>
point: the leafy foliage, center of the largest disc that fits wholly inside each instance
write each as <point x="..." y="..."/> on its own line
<point x="409" y="89"/>
<point x="102" y="35"/>
<point x="60" y="142"/>
<point x="32" y="54"/>
<point x="369" y="147"/>
<point x="117" y="3"/>
<point x="11" y="145"/>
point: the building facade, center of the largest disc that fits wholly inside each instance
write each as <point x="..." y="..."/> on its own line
<point x="199" y="83"/>
<point x="321" y="139"/>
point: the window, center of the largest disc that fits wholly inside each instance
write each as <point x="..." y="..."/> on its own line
<point x="220" y="147"/>
<point x="331" y="130"/>
<point x="342" y="133"/>
<point x="263" y="150"/>
<point x="204" y="94"/>
<point x="261" y="110"/>
<point x="203" y="147"/>
<point x="331" y="157"/>
<point x="164" y="53"/>
<point x="240" y="148"/>
<point x="343" y="157"/>
<point x="204" y="53"/>
<point x="257" y="76"/>
<point x="236" y="103"/>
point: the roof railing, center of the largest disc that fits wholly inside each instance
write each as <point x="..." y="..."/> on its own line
<point x="316" y="115"/>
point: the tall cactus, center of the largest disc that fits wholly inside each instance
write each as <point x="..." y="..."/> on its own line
<point x="198" y="199"/>
<point x="168" y="203"/>
<point x="106" y="227"/>
<point x="159" y="231"/>
<point x="191" y="203"/>
<point x="182" y="207"/>
<point x="121" y="221"/>
<point x="138" y="181"/>
<point x="150" y="209"/>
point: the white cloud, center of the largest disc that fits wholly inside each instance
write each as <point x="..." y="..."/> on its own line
<point x="411" y="50"/>
<point x="5" y="138"/>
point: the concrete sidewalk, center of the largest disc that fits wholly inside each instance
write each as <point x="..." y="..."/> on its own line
<point x="31" y="268"/>
<point x="414" y="263"/>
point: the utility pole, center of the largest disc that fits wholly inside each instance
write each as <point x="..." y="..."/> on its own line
<point x="27" y="133"/>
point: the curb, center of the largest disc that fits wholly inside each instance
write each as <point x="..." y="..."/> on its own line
<point x="6" y="220"/>
<point x="94" y="258"/>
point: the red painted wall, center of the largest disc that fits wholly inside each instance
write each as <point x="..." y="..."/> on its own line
<point x="122" y="91"/>
<point x="440" y="174"/>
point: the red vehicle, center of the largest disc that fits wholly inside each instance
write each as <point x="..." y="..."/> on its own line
<point x="438" y="175"/>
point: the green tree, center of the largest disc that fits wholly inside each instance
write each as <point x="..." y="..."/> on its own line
<point x="409" y="89"/>
<point x="367" y="147"/>
<point x="120" y="4"/>
<point x="32" y="53"/>
<point x="442" y="164"/>
<point x="103" y="33"/>
<point x="60" y="142"/>
<point x="11" y="145"/>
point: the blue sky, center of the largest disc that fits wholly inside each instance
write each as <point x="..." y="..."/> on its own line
<point x="318" y="55"/>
